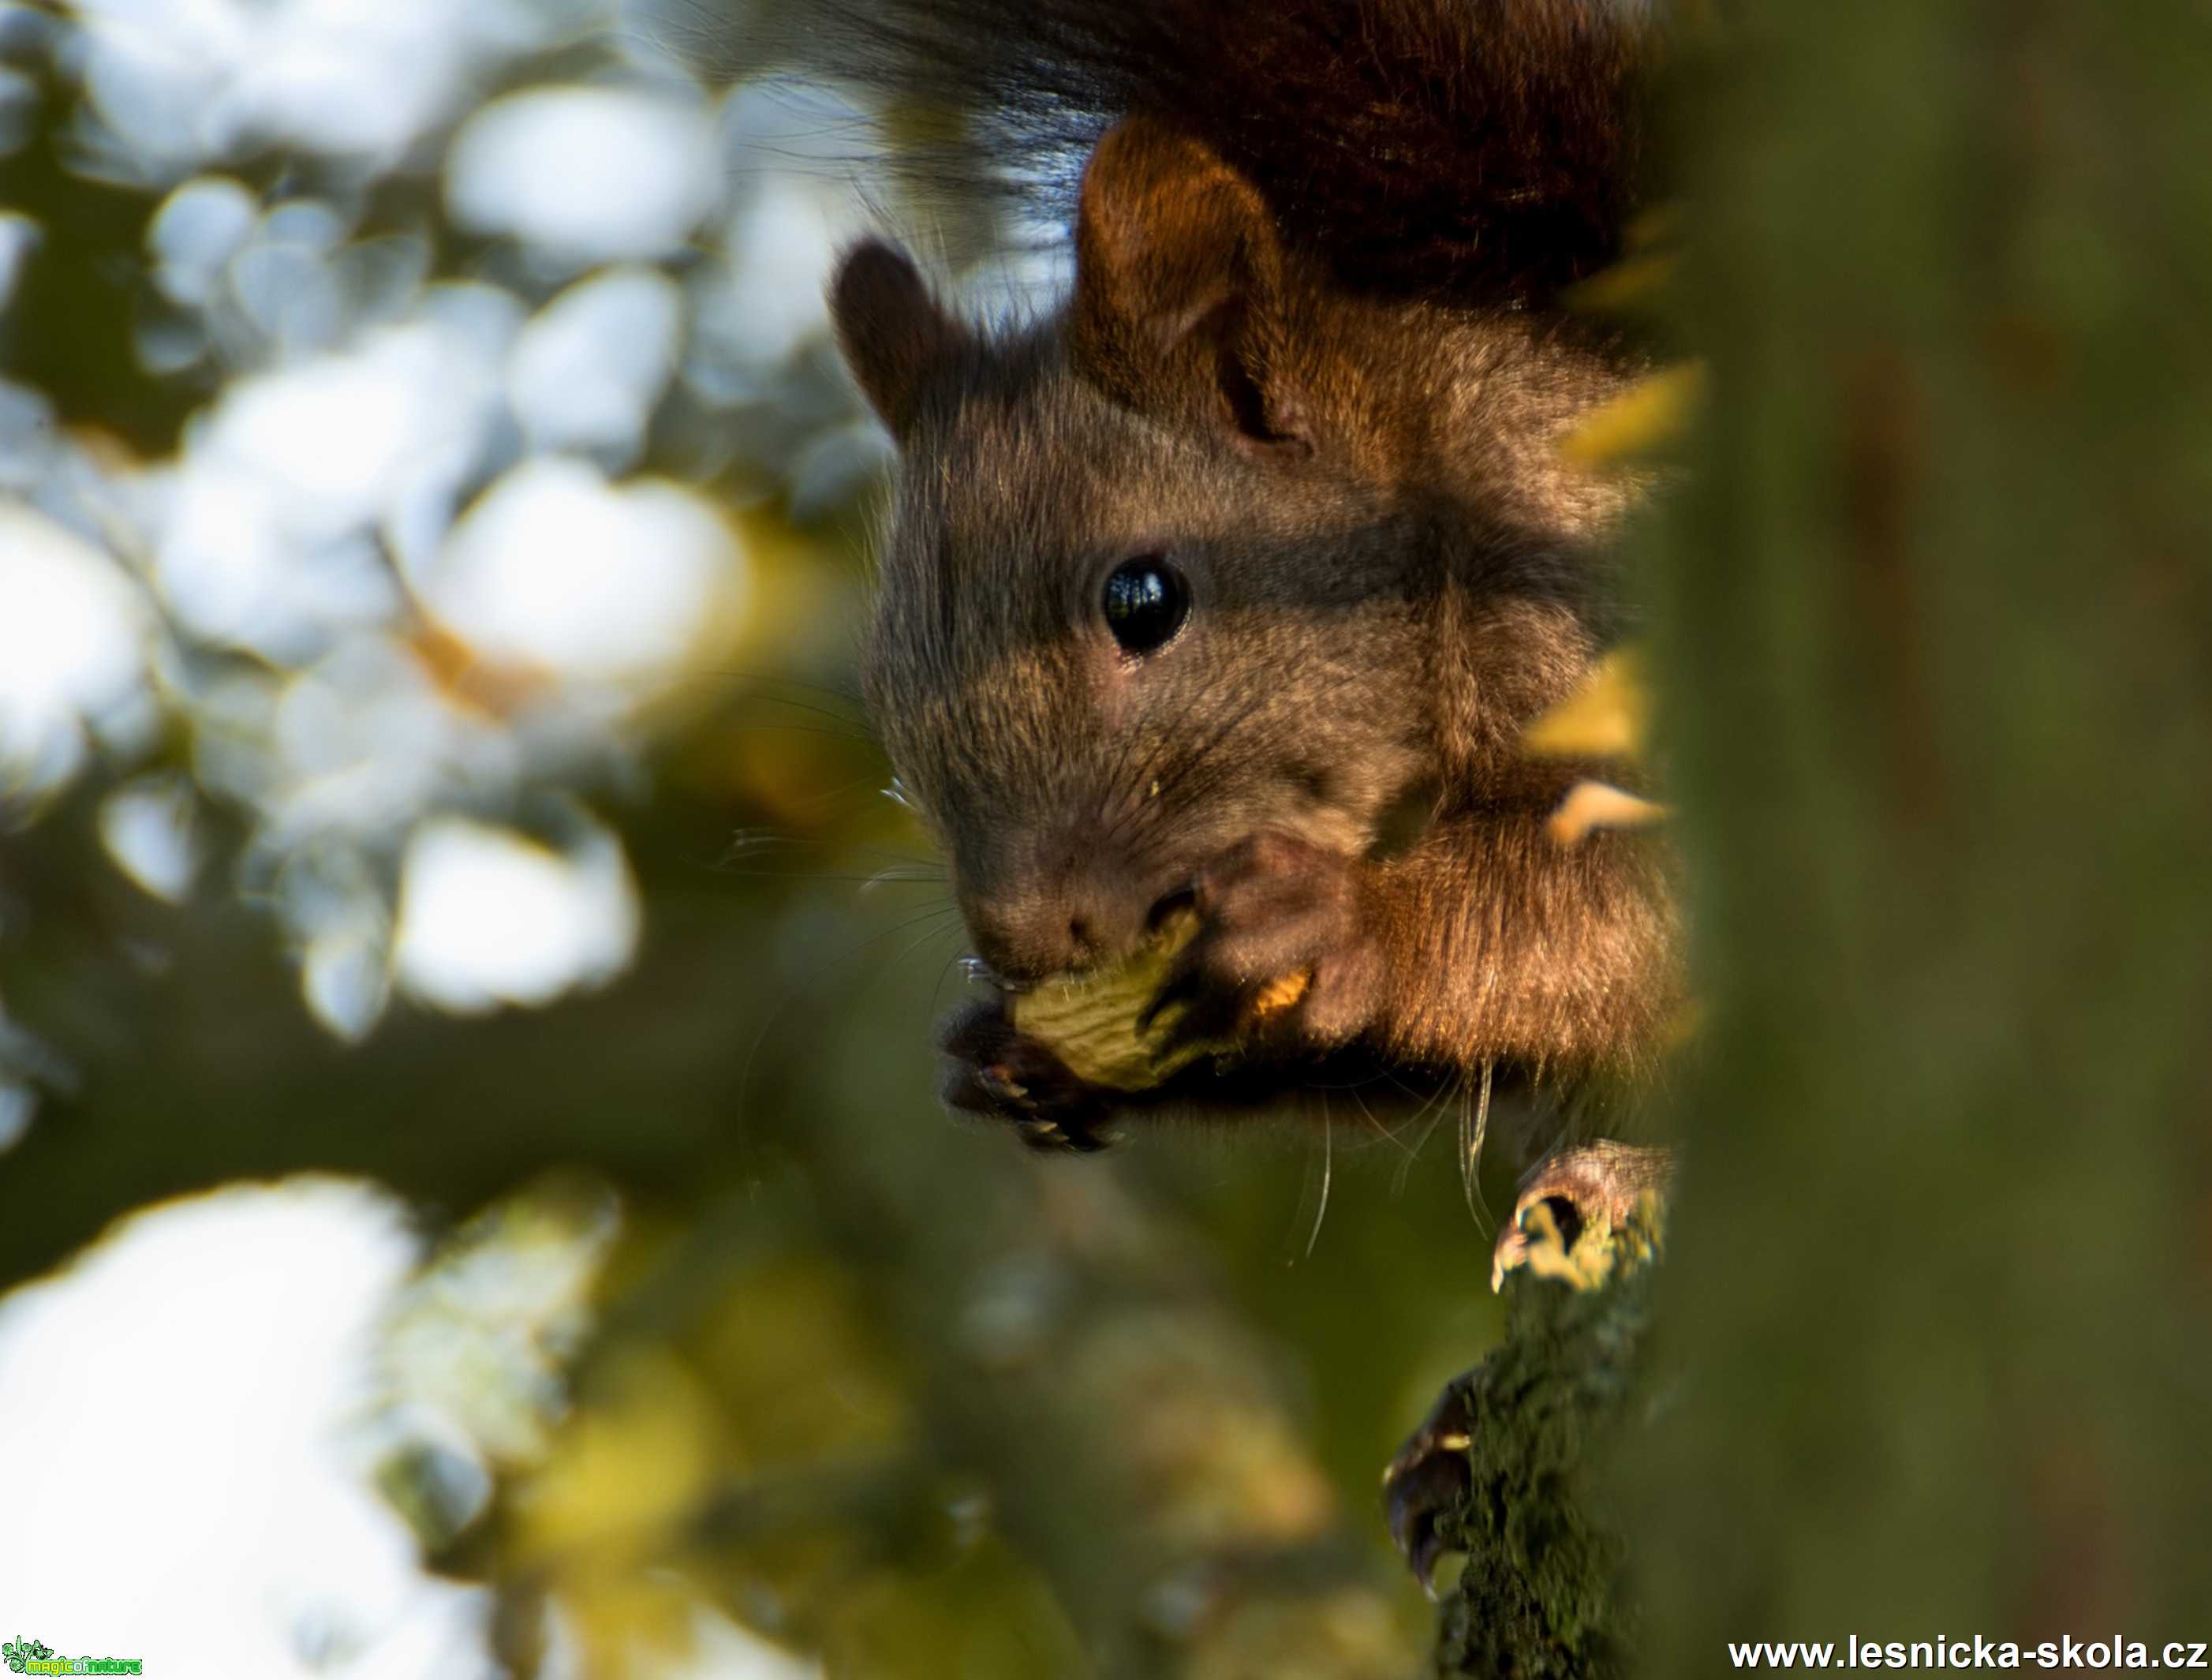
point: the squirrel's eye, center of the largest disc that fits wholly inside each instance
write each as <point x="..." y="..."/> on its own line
<point x="1146" y="602"/>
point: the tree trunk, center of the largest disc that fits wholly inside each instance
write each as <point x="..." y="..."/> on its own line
<point x="1937" y="647"/>
<point x="1543" y="1595"/>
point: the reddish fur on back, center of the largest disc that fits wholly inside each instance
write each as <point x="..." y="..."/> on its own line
<point x="1469" y="151"/>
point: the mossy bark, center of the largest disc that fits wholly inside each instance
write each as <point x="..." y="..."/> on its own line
<point x="1934" y="658"/>
<point x="1542" y="1595"/>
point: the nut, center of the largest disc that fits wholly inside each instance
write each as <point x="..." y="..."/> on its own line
<point x="1090" y="1020"/>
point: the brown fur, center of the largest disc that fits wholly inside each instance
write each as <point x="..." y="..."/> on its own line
<point x="1393" y="569"/>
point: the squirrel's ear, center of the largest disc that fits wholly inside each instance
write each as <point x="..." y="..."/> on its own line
<point x="895" y="337"/>
<point x="1179" y="285"/>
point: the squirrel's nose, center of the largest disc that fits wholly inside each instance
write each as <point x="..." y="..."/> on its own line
<point x="1034" y="932"/>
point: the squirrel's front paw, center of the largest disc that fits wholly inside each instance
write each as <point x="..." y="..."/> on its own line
<point x="995" y="1071"/>
<point x="1284" y="956"/>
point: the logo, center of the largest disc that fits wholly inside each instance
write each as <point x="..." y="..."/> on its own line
<point x="31" y="1656"/>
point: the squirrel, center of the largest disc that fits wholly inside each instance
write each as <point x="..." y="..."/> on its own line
<point x="1229" y="588"/>
<point x="1233" y="584"/>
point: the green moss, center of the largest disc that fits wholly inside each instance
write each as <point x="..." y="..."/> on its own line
<point x="1541" y="1595"/>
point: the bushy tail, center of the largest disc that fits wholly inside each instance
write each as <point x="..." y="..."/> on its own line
<point x="1475" y="150"/>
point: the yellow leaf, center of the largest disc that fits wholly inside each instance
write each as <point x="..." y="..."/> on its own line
<point x="1606" y="718"/>
<point x="1650" y="414"/>
<point x="1627" y="285"/>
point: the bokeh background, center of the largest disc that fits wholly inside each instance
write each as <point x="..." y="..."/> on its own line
<point x="474" y="1200"/>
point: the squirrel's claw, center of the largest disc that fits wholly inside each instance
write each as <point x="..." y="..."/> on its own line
<point x="1580" y="1209"/>
<point x="994" y="1071"/>
<point x="1429" y="1480"/>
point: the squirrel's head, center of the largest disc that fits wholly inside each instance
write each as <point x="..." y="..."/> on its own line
<point x="1164" y="571"/>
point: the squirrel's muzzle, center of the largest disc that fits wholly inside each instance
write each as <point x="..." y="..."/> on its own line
<point x="1072" y="912"/>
